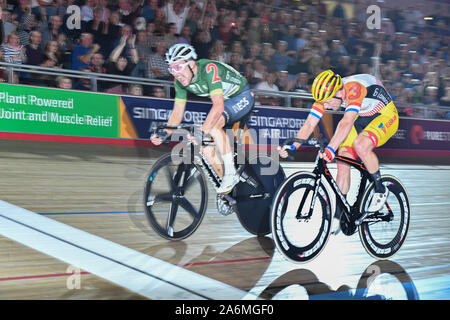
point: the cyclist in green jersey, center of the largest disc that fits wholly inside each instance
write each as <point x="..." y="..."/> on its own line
<point x="231" y="99"/>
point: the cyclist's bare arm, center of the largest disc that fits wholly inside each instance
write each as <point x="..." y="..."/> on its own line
<point x="175" y="119"/>
<point x="177" y="114"/>
<point x="305" y="131"/>
<point x="343" y="129"/>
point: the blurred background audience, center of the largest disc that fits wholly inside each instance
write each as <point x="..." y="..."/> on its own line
<point x="277" y="44"/>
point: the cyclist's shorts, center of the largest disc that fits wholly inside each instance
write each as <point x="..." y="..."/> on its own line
<point x="239" y="106"/>
<point x="379" y="128"/>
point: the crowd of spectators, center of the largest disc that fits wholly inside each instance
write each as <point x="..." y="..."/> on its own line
<point x="279" y="45"/>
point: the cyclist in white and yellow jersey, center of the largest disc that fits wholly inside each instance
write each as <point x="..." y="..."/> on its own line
<point x="231" y="99"/>
<point x="370" y="119"/>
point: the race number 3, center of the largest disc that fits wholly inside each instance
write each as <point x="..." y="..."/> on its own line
<point x="212" y="67"/>
<point x="354" y="92"/>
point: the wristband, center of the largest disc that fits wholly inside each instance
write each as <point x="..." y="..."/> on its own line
<point x="331" y="150"/>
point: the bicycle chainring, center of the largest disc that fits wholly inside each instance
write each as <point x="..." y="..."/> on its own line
<point x="347" y="228"/>
<point x="223" y="206"/>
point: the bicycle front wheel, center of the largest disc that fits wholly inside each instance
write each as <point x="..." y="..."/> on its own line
<point x="384" y="232"/>
<point x="175" y="198"/>
<point x="298" y="236"/>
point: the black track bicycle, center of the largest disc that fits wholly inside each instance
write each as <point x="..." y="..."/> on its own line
<point x="302" y="212"/>
<point x="176" y="193"/>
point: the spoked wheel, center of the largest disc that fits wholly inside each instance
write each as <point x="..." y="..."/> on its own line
<point x="175" y="198"/>
<point x="384" y="232"/>
<point x="297" y="236"/>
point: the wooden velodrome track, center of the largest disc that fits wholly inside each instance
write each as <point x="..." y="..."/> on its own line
<point x="98" y="189"/>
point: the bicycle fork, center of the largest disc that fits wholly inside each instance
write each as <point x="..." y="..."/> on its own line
<point x="299" y="215"/>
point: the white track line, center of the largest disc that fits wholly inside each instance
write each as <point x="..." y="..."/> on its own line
<point x="135" y="271"/>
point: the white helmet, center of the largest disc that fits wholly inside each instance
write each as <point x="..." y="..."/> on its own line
<point x="180" y="51"/>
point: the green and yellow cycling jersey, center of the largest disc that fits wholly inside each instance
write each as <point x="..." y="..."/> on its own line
<point x="213" y="78"/>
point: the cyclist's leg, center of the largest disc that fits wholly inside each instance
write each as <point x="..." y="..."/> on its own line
<point x="375" y="134"/>
<point x="343" y="175"/>
<point x="213" y="154"/>
<point x="343" y="169"/>
<point x="236" y="108"/>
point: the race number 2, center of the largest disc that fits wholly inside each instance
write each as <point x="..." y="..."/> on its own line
<point x="212" y="67"/>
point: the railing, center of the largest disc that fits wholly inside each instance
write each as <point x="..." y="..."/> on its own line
<point x="420" y="110"/>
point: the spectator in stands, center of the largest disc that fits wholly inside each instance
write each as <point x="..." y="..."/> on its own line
<point x="254" y="32"/>
<point x="268" y="85"/>
<point x="280" y="59"/>
<point x="431" y="96"/>
<point x="185" y="35"/>
<point x="157" y="65"/>
<point x="97" y="63"/>
<point x="82" y="53"/>
<point x="176" y="11"/>
<point x="236" y="62"/>
<point x="301" y="83"/>
<point x="171" y="35"/>
<point x="193" y="20"/>
<point x="302" y="38"/>
<point x="83" y="84"/>
<point x="144" y="51"/>
<point x="87" y="11"/>
<point x="52" y="55"/>
<point x="105" y="12"/>
<point x="259" y="71"/>
<point x="282" y="81"/>
<point x="218" y="52"/>
<point x="202" y="44"/>
<point x="13" y="51"/>
<point x="158" y="92"/>
<point x="130" y="10"/>
<point x="97" y="28"/>
<point x="27" y="24"/>
<point x="445" y="99"/>
<point x="149" y="9"/>
<point x="23" y="7"/>
<point x="51" y="32"/>
<point x="135" y="90"/>
<point x="119" y="64"/>
<point x="52" y="59"/>
<point x="33" y="51"/>
<point x="253" y="53"/>
<point x="63" y="82"/>
<point x="266" y="55"/>
<point x="6" y="24"/>
<point x="302" y="63"/>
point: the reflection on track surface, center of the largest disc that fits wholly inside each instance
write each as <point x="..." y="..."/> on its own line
<point x="98" y="189"/>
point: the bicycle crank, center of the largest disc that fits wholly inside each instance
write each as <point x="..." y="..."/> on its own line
<point x="225" y="204"/>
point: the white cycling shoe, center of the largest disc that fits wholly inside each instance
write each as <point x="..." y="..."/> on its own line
<point x="378" y="201"/>
<point x="228" y="182"/>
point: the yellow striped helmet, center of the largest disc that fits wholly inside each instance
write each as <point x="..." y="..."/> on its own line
<point x="325" y="85"/>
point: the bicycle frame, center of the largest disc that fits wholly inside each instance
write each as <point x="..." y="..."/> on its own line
<point x="321" y="169"/>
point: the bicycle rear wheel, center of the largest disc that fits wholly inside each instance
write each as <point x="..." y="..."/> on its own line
<point x="297" y="237"/>
<point x="384" y="232"/>
<point x="175" y="198"/>
<point x="254" y="195"/>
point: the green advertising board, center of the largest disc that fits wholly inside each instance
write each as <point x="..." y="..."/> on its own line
<point x="54" y="111"/>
